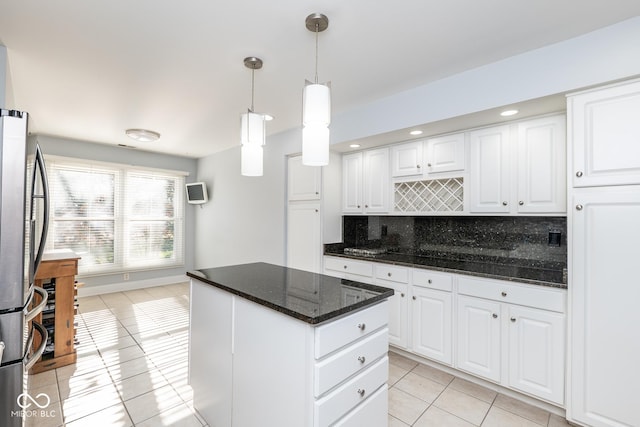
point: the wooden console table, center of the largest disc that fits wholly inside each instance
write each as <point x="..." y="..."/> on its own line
<point x="56" y="274"/>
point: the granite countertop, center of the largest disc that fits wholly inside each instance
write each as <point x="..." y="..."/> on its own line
<point x="489" y="264"/>
<point x="310" y="297"/>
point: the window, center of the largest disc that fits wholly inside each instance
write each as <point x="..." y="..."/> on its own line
<point x="116" y="217"/>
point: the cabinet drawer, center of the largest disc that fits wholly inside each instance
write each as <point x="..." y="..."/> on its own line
<point x="341" y="332"/>
<point x="349" y="266"/>
<point x="392" y="273"/>
<point x="522" y="294"/>
<point x="373" y="412"/>
<point x="340" y="366"/>
<point x="49" y="269"/>
<point x="349" y="395"/>
<point x="433" y="280"/>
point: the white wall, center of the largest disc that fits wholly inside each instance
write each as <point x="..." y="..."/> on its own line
<point x="245" y="221"/>
<point x="3" y="76"/>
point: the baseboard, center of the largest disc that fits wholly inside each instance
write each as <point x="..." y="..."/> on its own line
<point x="88" y="291"/>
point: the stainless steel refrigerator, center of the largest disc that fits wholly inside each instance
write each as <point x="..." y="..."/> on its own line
<point x="24" y="212"/>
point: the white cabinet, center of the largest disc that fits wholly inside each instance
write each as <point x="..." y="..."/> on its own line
<point x="605" y="130"/>
<point x="604" y="379"/>
<point x="396" y="278"/>
<point x="490" y="170"/>
<point x="366" y="184"/>
<point x="536" y="352"/>
<point x="256" y="366"/>
<point x="406" y="159"/>
<point x="513" y="334"/>
<point x="304" y="182"/>
<point x="519" y="168"/>
<point x="445" y="154"/>
<point x="542" y="184"/>
<point x="431" y="321"/>
<point x="479" y="346"/>
<point x="304" y="236"/>
<point x="360" y="271"/>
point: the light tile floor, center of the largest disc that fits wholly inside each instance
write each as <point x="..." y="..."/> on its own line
<point x="132" y="371"/>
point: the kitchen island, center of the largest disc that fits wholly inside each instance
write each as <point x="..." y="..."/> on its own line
<point x="271" y="345"/>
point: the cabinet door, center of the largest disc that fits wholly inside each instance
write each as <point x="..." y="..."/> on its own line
<point x="398" y="313"/>
<point x="304" y="182"/>
<point x="542" y="165"/>
<point x="479" y="337"/>
<point x="536" y="352"/>
<point x="376" y="180"/>
<point x="489" y="170"/>
<point x="445" y="153"/>
<point x="304" y="236"/>
<point x="604" y="382"/>
<point x="606" y="136"/>
<point x="352" y="183"/>
<point x="406" y="159"/>
<point x="431" y="314"/>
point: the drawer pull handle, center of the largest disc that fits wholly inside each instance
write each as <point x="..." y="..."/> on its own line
<point x="494" y="315"/>
<point x="513" y="319"/>
<point x="389" y="274"/>
<point x="504" y="294"/>
<point x="361" y="392"/>
<point x="361" y="326"/>
<point x="362" y="359"/>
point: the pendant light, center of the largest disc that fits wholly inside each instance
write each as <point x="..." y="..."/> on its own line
<point x="316" y="107"/>
<point x="252" y="130"/>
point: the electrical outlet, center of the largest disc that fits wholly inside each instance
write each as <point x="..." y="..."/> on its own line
<point x="125" y="276"/>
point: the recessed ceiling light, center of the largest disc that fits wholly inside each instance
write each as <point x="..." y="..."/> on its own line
<point x="354" y="146"/>
<point x="507" y="113"/>
<point x="415" y="132"/>
<point x="142" y="135"/>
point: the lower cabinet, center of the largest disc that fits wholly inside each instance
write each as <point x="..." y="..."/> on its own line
<point x="431" y="312"/>
<point x="513" y="335"/>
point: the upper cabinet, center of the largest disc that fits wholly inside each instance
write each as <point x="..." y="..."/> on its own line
<point x="406" y="159"/>
<point x="304" y="182"/>
<point x="366" y="182"/>
<point x="445" y="153"/>
<point x="605" y="123"/>
<point x="519" y="168"/>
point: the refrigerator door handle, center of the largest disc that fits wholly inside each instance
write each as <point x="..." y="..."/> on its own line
<point x="40" y="166"/>
<point x="1" y="350"/>
<point x="30" y="360"/>
<point x="30" y="314"/>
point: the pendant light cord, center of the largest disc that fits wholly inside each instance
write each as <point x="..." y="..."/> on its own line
<point x="253" y="72"/>
<point x="316" y="53"/>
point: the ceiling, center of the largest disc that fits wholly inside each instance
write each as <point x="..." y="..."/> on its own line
<point x="89" y="69"/>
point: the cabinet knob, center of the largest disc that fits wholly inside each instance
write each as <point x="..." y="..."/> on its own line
<point x="361" y="392"/>
<point x="504" y="203"/>
<point x="362" y="359"/>
<point x="402" y="294"/>
<point x="579" y="174"/>
<point x="316" y="210"/>
<point x="513" y="319"/>
<point x="521" y="203"/>
<point x="358" y="206"/>
<point x="361" y="326"/>
<point x="429" y="164"/>
<point x="389" y="274"/>
<point x="345" y="267"/>
<point x="317" y="193"/>
<point x="413" y="297"/>
<point x="494" y="315"/>
<point x="429" y="281"/>
<point x="504" y="294"/>
<point x="418" y="166"/>
<point x="366" y="206"/>
<point x="578" y="207"/>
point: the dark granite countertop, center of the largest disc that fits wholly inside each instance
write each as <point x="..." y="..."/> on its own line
<point x="490" y="266"/>
<point x="310" y="297"/>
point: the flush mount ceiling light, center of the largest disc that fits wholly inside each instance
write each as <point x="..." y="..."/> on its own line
<point x="142" y="135"/>
<point x="252" y="129"/>
<point x="316" y="107"/>
<point x="415" y="132"/>
<point x="507" y="113"/>
<point x="354" y="145"/>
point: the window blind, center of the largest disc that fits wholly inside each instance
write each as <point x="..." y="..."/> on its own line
<point x="116" y="217"/>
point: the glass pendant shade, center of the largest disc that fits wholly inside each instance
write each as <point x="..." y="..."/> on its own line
<point x="316" y="104"/>
<point x="252" y="129"/>
<point x="315" y="145"/>
<point x="251" y="160"/>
